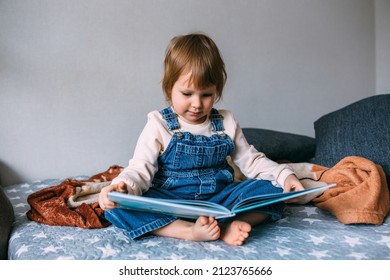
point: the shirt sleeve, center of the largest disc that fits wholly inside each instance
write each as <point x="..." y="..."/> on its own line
<point x="143" y="165"/>
<point x="253" y="163"/>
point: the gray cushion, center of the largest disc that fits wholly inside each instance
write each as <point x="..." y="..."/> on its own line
<point x="281" y="146"/>
<point x="6" y="220"/>
<point x="359" y="129"/>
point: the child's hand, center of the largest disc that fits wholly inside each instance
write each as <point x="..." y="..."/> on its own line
<point x="292" y="183"/>
<point x="104" y="202"/>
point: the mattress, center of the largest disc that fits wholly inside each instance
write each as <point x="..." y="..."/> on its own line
<point x="304" y="233"/>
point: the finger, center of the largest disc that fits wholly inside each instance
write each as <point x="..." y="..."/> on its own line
<point x="122" y="187"/>
<point x="110" y="205"/>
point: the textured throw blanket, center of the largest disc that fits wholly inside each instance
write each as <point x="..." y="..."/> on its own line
<point x="73" y="202"/>
<point x="360" y="196"/>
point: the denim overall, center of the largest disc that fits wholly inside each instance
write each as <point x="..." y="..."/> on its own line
<point x="194" y="167"/>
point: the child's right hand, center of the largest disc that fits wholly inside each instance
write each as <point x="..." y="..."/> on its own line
<point x="104" y="202"/>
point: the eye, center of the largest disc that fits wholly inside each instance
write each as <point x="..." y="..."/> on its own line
<point x="207" y="95"/>
<point x="186" y="93"/>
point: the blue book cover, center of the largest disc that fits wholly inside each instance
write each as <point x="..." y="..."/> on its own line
<point x="195" y="208"/>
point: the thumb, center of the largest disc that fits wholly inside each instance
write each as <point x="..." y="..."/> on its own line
<point x="122" y="187"/>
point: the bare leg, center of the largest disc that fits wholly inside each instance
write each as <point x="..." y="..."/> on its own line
<point x="204" y="229"/>
<point x="237" y="232"/>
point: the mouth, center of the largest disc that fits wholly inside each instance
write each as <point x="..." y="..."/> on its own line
<point x="194" y="113"/>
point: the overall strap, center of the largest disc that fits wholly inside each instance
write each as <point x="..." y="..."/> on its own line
<point x="216" y="120"/>
<point x="170" y="117"/>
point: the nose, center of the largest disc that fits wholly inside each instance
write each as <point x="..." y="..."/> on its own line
<point x="196" y="102"/>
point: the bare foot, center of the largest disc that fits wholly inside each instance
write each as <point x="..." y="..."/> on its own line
<point x="236" y="233"/>
<point x="205" y="229"/>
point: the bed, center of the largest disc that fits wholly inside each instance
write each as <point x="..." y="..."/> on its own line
<point x="306" y="232"/>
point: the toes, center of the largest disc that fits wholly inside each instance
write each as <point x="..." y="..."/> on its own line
<point x="245" y="227"/>
<point x="203" y="220"/>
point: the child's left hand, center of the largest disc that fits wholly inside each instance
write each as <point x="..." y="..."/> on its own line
<point x="292" y="183"/>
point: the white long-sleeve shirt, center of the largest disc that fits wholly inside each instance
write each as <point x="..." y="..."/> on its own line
<point x="155" y="137"/>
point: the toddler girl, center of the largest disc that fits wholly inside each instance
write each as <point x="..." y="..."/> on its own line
<point x="182" y="153"/>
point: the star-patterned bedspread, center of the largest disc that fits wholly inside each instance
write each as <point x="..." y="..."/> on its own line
<point x="305" y="233"/>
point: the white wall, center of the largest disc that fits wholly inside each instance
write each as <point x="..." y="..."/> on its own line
<point x="382" y="40"/>
<point x="77" y="78"/>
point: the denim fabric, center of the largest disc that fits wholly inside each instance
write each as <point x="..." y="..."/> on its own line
<point x="193" y="167"/>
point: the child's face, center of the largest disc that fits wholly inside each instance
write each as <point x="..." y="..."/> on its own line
<point x="192" y="104"/>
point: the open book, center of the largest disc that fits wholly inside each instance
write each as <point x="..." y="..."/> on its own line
<point x="195" y="208"/>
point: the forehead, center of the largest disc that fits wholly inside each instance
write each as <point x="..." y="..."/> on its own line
<point x="188" y="80"/>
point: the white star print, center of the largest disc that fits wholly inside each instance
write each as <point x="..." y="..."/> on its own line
<point x="22" y="214"/>
<point x="51" y="249"/>
<point x="184" y="245"/>
<point x="175" y="257"/>
<point x="15" y="236"/>
<point x="39" y="235"/>
<point x="352" y="241"/>
<point x="358" y="256"/>
<point x="20" y="205"/>
<point x="92" y="240"/>
<point x="248" y="249"/>
<point x="215" y="248"/>
<point x="123" y="237"/>
<point x="311" y="221"/>
<point x="385" y="240"/>
<point x="283" y="239"/>
<point x="140" y="256"/>
<point x="22" y="249"/>
<point x="151" y="243"/>
<point x="283" y="251"/>
<point x="317" y="239"/>
<point x="282" y="221"/>
<point x="107" y="251"/>
<point x="65" y="258"/>
<point x="319" y="254"/>
<point x="309" y="211"/>
<point x="67" y="237"/>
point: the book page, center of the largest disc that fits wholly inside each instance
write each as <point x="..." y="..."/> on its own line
<point x="181" y="208"/>
<point x="263" y="200"/>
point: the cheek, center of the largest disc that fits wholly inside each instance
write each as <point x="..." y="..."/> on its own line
<point x="174" y="98"/>
<point x="209" y="103"/>
<point x="178" y="102"/>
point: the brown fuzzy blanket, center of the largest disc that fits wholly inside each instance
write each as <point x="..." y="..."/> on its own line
<point x="52" y="205"/>
<point x="360" y="196"/>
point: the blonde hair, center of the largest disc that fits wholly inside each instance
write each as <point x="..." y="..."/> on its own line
<point x="198" y="54"/>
